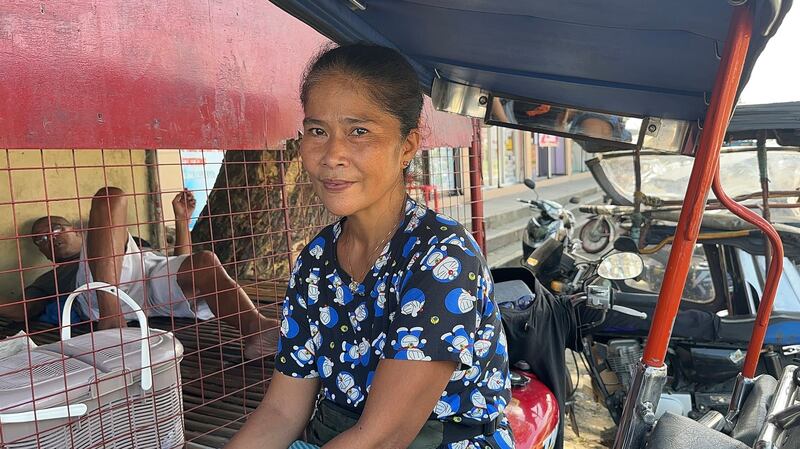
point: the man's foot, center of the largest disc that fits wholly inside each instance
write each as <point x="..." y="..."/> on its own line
<point x="262" y="344"/>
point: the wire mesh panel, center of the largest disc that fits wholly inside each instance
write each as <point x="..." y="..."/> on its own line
<point x="202" y="241"/>
<point x="184" y="78"/>
<point x="439" y="178"/>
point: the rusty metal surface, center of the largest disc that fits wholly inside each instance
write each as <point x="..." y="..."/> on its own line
<point x="169" y="74"/>
<point x="219" y="388"/>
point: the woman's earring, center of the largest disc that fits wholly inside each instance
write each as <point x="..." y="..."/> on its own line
<point x="405" y="164"/>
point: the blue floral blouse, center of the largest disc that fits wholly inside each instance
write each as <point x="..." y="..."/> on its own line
<point x="429" y="296"/>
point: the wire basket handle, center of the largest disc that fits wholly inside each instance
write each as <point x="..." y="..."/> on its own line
<point x="66" y="330"/>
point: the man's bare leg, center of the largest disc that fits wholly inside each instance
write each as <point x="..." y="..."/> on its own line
<point x="201" y="276"/>
<point x="105" y="249"/>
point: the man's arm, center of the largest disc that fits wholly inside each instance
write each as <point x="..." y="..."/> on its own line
<point x="33" y="301"/>
<point x="183" y="205"/>
<point x="498" y="112"/>
<point x="17" y="309"/>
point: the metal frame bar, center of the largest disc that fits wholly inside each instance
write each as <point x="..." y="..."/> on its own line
<point x="706" y="162"/>
<point x="773" y="276"/>
<point x="638" y="416"/>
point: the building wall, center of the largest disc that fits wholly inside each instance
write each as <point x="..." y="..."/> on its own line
<point x="34" y="183"/>
<point x="508" y="155"/>
<point x="170" y="181"/>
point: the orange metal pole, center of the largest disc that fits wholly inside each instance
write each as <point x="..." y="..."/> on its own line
<point x="773" y="276"/>
<point x="705" y="164"/>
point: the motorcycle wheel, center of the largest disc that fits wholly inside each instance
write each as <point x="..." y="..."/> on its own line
<point x="595" y="235"/>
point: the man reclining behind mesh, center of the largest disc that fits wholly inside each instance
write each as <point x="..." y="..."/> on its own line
<point x="185" y="285"/>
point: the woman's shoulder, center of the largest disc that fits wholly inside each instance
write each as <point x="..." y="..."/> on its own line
<point x="429" y="229"/>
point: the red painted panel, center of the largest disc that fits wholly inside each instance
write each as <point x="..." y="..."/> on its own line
<point x="533" y="414"/>
<point x="441" y="129"/>
<point x="168" y="74"/>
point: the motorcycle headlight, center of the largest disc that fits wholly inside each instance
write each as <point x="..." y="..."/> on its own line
<point x="541" y="233"/>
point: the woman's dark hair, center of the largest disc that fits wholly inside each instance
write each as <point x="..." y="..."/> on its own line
<point x="391" y="81"/>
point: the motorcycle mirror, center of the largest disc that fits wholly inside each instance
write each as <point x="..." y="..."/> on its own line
<point x="575" y="200"/>
<point x="621" y="266"/>
<point x="530" y="183"/>
<point x="626" y="244"/>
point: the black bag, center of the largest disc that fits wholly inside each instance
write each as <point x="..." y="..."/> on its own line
<point x="539" y="335"/>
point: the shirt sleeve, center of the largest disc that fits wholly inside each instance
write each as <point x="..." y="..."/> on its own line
<point x="296" y="350"/>
<point x="441" y="302"/>
<point x="43" y="286"/>
<point x="40" y="293"/>
<point x="34" y="292"/>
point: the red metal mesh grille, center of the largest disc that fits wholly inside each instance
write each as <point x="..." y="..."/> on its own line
<point x="256" y="210"/>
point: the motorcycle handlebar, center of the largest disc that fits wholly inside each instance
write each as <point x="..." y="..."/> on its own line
<point x="603" y="297"/>
<point x="628" y="311"/>
<point x="605" y="209"/>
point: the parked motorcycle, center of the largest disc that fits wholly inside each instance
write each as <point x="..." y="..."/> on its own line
<point x="538" y="395"/>
<point x="550" y="220"/>
<point x="539" y="327"/>
<point x="707" y="350"/>
<point x="609" y="324"/>
<point x="603" y="226"/>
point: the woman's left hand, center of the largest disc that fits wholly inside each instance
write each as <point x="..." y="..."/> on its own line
<point x="401" y="399"/>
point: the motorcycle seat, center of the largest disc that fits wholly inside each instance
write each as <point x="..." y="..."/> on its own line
<point x="692" y="324"/>
<point x="784" y="329"/>
<point x="754" y="411"/>
<point x="674" y="431"/>
<point x="646" y="301"/>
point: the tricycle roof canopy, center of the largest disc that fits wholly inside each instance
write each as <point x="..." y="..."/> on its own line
<point x="781" y="121"/>
<point x="639" y="57"/>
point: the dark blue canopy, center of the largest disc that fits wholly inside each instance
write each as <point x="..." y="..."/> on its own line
<point x="751" y="118"/>
<point x="640" y="57"/>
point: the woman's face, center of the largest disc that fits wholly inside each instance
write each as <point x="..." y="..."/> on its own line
<point x="351" y="147"/>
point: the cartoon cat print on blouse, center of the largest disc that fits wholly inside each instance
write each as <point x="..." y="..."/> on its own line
<point x="429" y="296"/>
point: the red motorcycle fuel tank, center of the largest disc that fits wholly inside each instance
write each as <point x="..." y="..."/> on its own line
<point x="533" y="414"/>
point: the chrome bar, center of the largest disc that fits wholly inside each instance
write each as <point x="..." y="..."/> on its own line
<point x="713" y="420"/>
<point x="783" y="395"/>
<point x="639" y="414"/>
<point x="357" y="5"/>
<point x="741" y="389"/>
